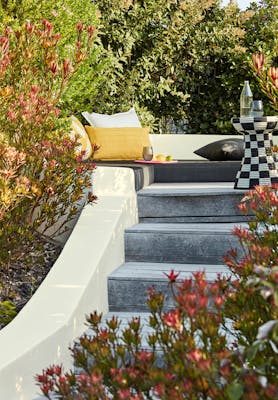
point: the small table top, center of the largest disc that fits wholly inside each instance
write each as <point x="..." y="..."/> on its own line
<point x="255" y="124"/>
<point x="266" y="118"/>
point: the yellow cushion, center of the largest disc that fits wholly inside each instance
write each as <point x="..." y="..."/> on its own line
<point x="118" y="143"/>
<point x="83" y="142"/>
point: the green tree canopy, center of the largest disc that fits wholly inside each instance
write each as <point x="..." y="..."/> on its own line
<point x="64" y="15"/>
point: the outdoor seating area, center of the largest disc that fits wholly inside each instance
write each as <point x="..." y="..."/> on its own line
<point x="138" y="200"/>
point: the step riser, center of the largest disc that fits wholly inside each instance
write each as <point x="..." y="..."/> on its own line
<point x="190" y="247"/>
<point x="132" y="295"/>
<point x="197" y="171"/>
<point x="193" y="207"/>
<point x="128" y="284"/>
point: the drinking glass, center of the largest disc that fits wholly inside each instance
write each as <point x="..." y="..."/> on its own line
<point x="257" y="109"/>
<point x="147" y="153"/>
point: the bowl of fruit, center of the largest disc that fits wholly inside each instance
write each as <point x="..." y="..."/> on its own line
<point x="162" y="158"/>
<point x="159" y="159"/>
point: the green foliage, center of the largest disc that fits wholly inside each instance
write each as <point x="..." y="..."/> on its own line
<point x="7" y="312"/>
<point x="262" y="37"/>
<point x="213" y="78"/>
<point x="219" y="342"/>
<point x="171" y="59"/>
<point x="64" y="15"/>
<point x="254" y="303"/>
<point x="41" y="177"/>
<point x="176" y="61"/>
<point x="180" y="61"/>
<point x="262" y="27"/>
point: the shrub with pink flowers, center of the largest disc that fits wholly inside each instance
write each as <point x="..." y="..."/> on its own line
<point x="220" y="341"/>
<point x="41" y="176"/>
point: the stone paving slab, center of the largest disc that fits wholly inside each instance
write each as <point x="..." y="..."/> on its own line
<point x="217" y="229"/>
<point x="155" y="271"/>
<point x="190" y="188"/>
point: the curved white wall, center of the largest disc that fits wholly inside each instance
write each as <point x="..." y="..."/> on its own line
<point x="76" y="285"/>
<point x="182" y="147"/>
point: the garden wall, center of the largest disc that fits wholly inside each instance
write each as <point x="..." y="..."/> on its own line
<point x="42" y="332"/>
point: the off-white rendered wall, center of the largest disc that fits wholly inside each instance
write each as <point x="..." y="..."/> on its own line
<point x="182" y="147"/>
<point x="76" y="285"/>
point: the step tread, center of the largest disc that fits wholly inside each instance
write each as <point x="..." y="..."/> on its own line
<point x="190" y="189"/>
<point x="205" y="227"/>
<point x="155" y="271"/>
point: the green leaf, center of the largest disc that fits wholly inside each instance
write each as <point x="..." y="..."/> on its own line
<point x="252" y="350"/>
<point x="235" y="391"/>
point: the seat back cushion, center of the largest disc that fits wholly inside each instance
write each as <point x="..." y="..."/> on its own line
<point x="125" y="143"/>
<point x="223" y="150"/>
<point x="79" y="133"/>
<point x="125" y="119"/>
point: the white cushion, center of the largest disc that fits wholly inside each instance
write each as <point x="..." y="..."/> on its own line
<point x="119" y="120"/>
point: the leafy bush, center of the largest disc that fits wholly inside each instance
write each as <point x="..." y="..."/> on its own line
<point x="64" y="15"/>
<point x="182" y="64"/>
<point x="261" y="38"/>
<point x="173" y="60"/>
<point x="41" y="177"/>
<point x="220" y="341"/>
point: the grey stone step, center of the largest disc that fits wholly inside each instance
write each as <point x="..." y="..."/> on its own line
<point x="197" y="171"/>
<point x="190" y="202"/>
<point x="187" y="243"/>
<point x="128" y="285"/>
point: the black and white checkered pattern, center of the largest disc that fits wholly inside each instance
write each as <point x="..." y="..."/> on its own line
<point x="258" y="166"/>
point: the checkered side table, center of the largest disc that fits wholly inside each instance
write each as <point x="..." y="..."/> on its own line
<point x="258" y="166"/>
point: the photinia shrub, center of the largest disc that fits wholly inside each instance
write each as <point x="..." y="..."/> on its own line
<point x="13" y="186"/>
<point x="220" y="341"/>
<point x="41" y="176"/>
<point x="64" y="15"/>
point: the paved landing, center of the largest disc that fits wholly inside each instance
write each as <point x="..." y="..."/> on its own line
<point x="188" y="188"/>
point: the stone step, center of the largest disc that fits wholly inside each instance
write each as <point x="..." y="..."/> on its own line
<point x="187" y="243"/>
<point x="197" y="171"/>
<point x="190" y="202"/>
<point x="128" y="285"/>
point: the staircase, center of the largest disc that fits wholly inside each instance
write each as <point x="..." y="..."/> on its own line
<point x="186" y="227"/>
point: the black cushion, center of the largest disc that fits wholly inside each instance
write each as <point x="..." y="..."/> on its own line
<point x="222" y="150"/>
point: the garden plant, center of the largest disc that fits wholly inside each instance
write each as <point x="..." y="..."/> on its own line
<point x="220" y="341"/>
<point x="64" y="15"/>
<point x="173" y="60"/>
<point x="267" y="77"/>
<point x="41" y="175"/>
<point x="179" y="61"/>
